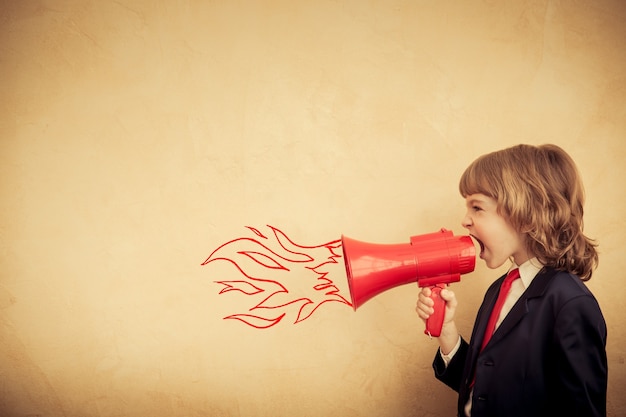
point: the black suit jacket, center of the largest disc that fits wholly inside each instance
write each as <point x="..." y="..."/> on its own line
<point x="547" y="358"/>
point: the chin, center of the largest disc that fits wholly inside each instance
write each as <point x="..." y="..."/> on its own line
<point x="493" y="264"/>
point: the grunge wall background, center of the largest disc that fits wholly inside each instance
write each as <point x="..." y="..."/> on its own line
<point x="137" y="136"/>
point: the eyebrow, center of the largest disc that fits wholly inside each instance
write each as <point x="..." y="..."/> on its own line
<point x="475" y="201"/>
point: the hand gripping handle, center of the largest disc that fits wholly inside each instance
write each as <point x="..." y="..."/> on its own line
<point x="434" y="323"/>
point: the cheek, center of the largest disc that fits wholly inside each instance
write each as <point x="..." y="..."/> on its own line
<point x="497" y="234"/>
<point x="506" y="239"/>
<point x="486" y="230"/>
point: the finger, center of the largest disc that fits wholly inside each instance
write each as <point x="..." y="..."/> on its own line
<point x="423" y="310"/>
<point x="449" y="297"/>
<point x="447" y="294"/>
<point x="424" y="297"/>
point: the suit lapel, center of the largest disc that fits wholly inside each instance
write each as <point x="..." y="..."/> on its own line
<point x="536" y="289"/>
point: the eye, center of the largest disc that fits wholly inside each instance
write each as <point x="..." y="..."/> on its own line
<point x="476" y="208"/>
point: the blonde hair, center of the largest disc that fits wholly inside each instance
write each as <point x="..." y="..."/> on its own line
<point x="539" y="191"/>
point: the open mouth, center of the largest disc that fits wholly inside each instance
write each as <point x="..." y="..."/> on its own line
<point x="480" y="243"/>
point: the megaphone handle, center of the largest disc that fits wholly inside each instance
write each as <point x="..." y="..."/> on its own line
<point x="434" y="323"/>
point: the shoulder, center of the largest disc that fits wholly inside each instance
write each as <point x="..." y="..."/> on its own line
<point x="563" y="290"/>
<point x="562" y="283"/>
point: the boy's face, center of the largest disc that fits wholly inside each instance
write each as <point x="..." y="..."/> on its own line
<point x="497" y="238"/>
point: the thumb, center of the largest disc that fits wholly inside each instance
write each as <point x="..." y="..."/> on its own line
<point x="449" y="297"/>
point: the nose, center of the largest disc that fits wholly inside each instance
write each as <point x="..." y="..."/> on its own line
<point x="467" y="221"/>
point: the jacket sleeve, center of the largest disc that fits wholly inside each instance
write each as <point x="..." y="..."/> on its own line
<point x="452" y="374"/>
<point x="580" y="340"/>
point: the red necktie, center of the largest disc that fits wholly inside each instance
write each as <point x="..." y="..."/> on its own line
<point x="495" y="313"/>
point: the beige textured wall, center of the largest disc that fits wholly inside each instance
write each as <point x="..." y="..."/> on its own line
<point x="138" y="136"/>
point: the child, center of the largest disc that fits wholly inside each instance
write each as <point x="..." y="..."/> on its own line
<point x="547" y="356"/>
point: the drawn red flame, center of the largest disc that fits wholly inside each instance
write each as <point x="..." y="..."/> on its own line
<point x="278" y="297"/>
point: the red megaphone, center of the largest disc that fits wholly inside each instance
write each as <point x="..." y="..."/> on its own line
<point x="431" y="260"/>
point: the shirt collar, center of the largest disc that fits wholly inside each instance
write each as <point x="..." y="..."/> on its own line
<point x="528" y="270"/>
